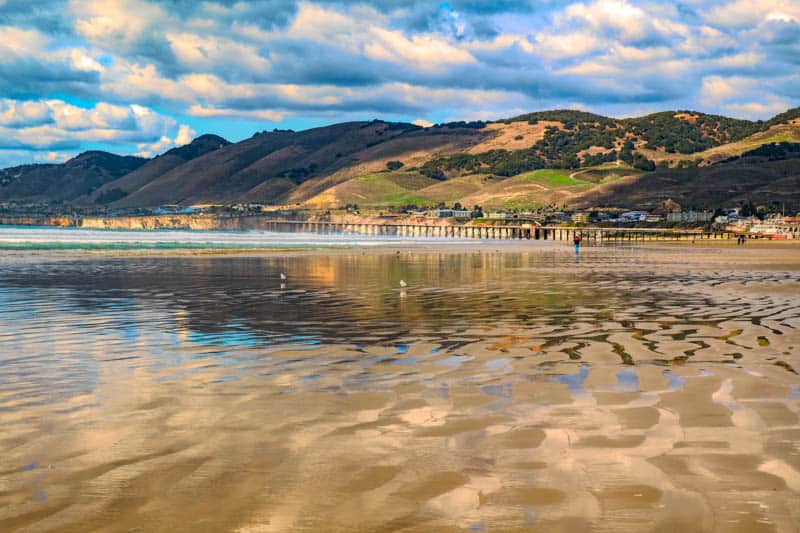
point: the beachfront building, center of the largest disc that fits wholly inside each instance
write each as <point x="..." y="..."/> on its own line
<point x="451" y="213"/>
<point x="634" y="216"/>
<point x="774" y="228"/>
<point x="777" y="228"/>
<point x="690" y="216"/>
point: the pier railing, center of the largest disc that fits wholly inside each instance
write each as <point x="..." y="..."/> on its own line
<point x="589" y="235"/>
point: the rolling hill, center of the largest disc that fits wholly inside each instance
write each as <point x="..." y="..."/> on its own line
<point x="537" y="159"/>
<point x="154" y="169"/>
<point x="77" y="177"/>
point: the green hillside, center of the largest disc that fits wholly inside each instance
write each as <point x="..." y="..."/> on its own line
<point x="535" y="159"/>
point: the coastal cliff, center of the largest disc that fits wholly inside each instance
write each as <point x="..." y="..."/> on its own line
<point x="38" y="221"/>
<point x="232" y="223"/>
<point x="156" y="222"/>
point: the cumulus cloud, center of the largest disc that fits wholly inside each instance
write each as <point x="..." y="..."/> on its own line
<point x="54" y="124"/>
<point x="208" y="53"/>
<point x="32" y="62"/>
<point x="739" y="13"/>
<point x="717" y="90"/>
<point x="184" y="136"/>
<point x="258" y="114"/>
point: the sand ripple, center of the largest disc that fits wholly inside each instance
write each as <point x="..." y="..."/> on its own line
<point x="634" y="390"/>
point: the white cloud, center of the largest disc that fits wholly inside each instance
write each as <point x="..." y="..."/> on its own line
<point x="268" y="115"/>
<point x="556" y="45"/>
<point x="46" y="124"/>
<point x="208" y="52"/>
<point x="359" y="32"/>
<point x="706" y="39"/>
<point x="629" y="21"/>
<point x="741" y="13"/>
<point x="26" y="49"/>
<point x="758" y="109"/>
<point x="184" y="136"/>
<point x="115" y="24"/>
<point x="715" y="89"/>
<point x="15" y="113"/>
<point x="424" y="51"/>
<point x="54" y="157"/>
<point x="502" y="43"/>
<point x="740" y="97"/>
<point x="82" y="61"/>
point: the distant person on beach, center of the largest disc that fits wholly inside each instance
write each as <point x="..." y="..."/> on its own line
<point x="576" y="240"/>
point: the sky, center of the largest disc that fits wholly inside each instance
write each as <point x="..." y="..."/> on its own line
<point x="143" y="76"/>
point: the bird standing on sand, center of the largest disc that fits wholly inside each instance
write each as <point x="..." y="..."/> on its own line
<point x="403" y="284"/>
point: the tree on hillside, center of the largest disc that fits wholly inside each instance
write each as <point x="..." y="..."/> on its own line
<point x="642" y="163"/>
<point x="748" y="210"/>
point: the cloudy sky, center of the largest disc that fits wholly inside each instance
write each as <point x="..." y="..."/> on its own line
<point x="141" y="76"/>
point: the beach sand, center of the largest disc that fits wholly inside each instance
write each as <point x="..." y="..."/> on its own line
<point x="510" y="387"/>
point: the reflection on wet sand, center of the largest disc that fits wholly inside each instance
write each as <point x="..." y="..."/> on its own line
<point x="634" y="391"/>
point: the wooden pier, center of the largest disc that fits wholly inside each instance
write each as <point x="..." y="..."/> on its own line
<point x="589" y="235"/>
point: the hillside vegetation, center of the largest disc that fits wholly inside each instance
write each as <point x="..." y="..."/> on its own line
<point x="77" y="177"/>
<point x="543" y="158"/>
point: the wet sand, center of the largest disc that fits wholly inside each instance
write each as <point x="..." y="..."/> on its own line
<point x="641" y="389"/>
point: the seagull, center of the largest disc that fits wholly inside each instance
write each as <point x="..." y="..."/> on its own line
<point x="283" y="276"/>
<point x="403" y="284"/>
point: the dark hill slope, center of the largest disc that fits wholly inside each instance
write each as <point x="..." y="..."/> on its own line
<point x="266" y="167"/>
<point x="154" y="169"/>
<point x="749" y="179"/>
<point x="77" y="177"/>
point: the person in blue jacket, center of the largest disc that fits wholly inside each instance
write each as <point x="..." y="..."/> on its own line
<point x="576" y="240"/>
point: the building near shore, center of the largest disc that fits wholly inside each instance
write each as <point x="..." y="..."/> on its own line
<point x="690" y="216"/>
<point x="776" y="228"/>
<point x="634" y="216"/>
<point x="450" y="213"/>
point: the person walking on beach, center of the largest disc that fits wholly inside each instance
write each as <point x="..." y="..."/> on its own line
<point x="576" y="240"/>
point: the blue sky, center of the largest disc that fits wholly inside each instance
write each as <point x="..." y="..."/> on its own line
<point x="142" y="76"/>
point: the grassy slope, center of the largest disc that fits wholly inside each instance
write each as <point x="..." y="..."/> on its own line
<point x="524" y="191"/>
<point x="529" y="190"/>
<point x="378" y="189"/>
<point x="456" y="189"/>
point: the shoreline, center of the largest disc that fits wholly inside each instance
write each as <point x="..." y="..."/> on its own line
<point x="713" y="256"/>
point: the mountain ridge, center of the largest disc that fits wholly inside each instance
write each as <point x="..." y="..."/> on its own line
<point x="310" y="167"/>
